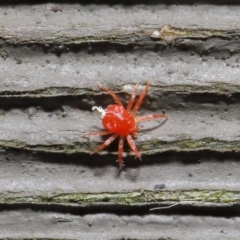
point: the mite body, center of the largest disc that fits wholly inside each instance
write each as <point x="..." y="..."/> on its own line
<point x="122" y="122"/>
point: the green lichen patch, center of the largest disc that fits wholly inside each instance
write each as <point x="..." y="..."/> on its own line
<point x="188" y="145"/>
<point x="132" y="198"/>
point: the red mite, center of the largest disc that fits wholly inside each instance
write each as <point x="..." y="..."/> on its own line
<point x="122" y="122"/>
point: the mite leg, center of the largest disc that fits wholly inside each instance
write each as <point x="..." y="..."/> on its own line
<point x="149" y="117"/>
<point x="106" y="143"/>
<point x="120" y="151"/>
<point x="139" y="101"/>
<point x="133" y="146"/>
<point x="96" y="133"/>
<point x="131" y="101"/>
<point x="114" y="96"/>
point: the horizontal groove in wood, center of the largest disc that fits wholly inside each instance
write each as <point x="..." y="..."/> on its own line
<point x="167" y="97"/>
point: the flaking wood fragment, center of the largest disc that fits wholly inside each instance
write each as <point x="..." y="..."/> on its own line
<point x="170" y="34"/>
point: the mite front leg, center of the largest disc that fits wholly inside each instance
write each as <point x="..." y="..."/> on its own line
<point x="102" y="133"/>
<point x="114" y="96"/>
<point x="139" y="101"/>
<point x="150" y="117"/>
<point x="106" y="143"/>
<point x="131" y="101"/>
<point x="120" y="151"/>
<point x="133" y="146"/>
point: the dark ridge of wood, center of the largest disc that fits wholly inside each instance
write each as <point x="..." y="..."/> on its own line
<point x="149" y="39"/>
<point x="171" y="97"/>
<point x="125" y="2"/>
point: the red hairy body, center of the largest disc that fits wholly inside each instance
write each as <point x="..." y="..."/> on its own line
<point x="117" y="119"/>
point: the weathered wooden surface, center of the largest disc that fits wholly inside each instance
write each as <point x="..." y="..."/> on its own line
<point x="52" y="56"/>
